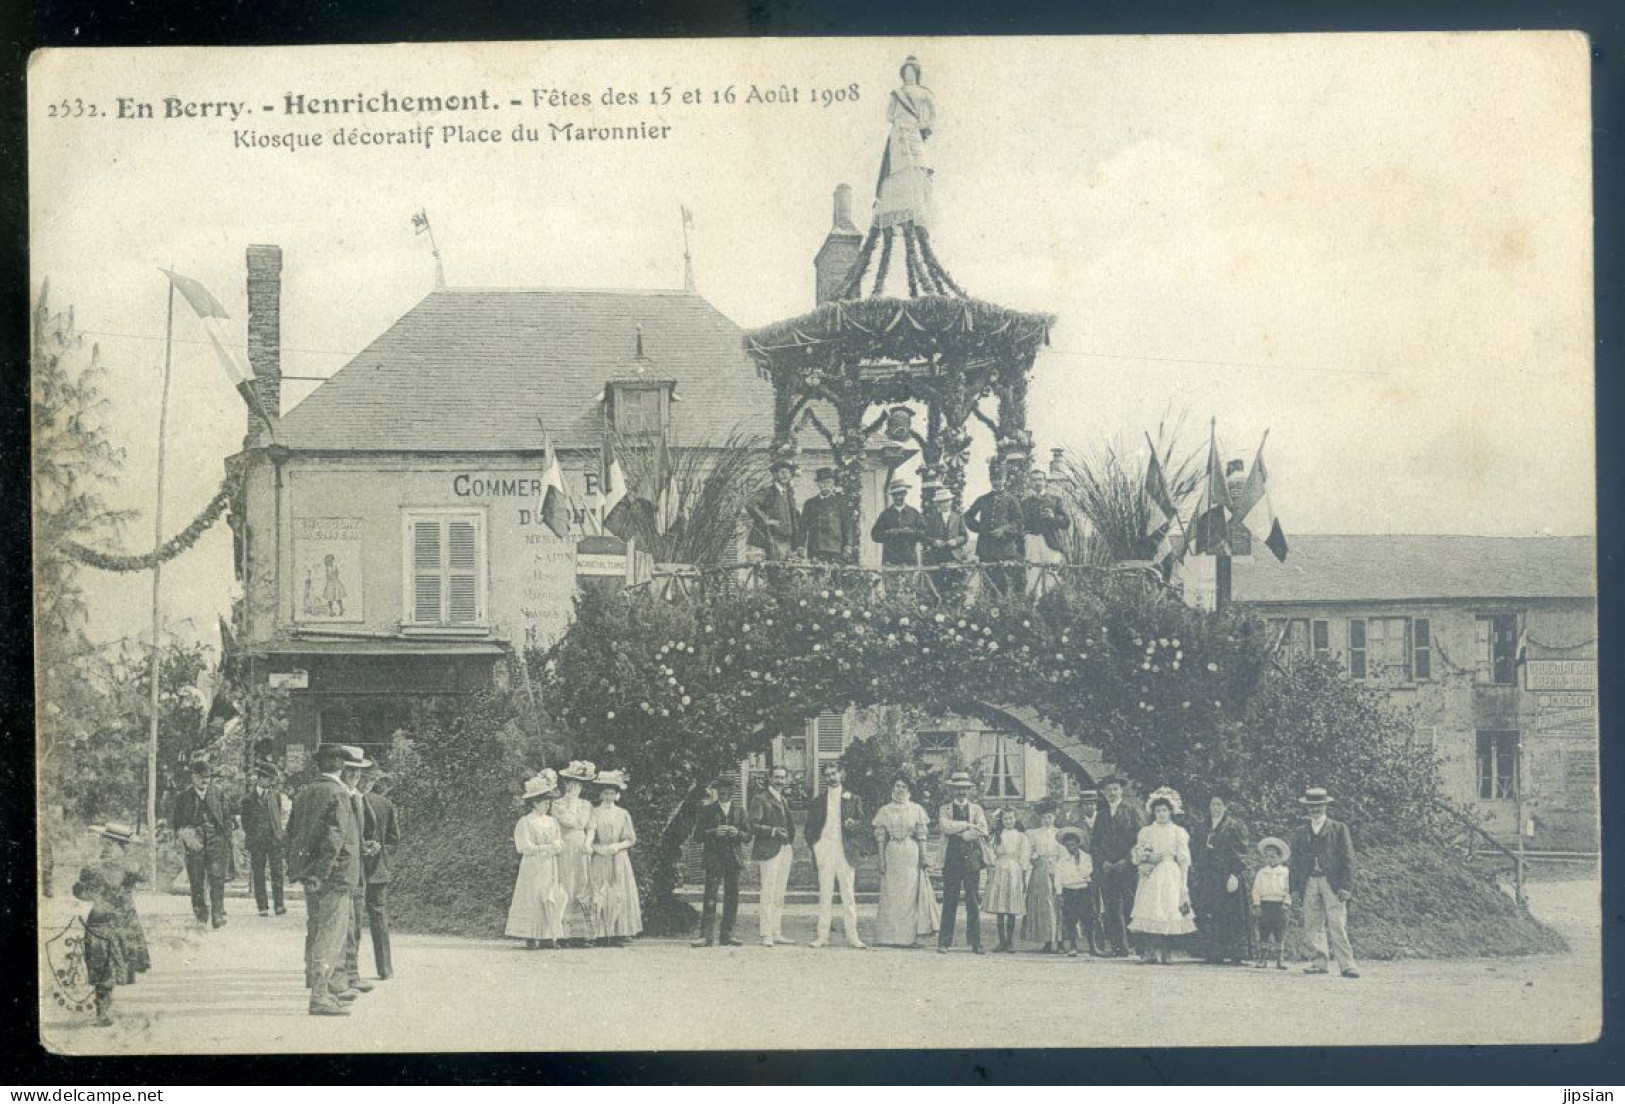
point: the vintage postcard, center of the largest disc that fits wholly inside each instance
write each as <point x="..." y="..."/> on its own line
<point x="832" y="543"/>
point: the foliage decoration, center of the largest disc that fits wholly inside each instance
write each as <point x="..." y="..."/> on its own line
<point x="677" y="691"/>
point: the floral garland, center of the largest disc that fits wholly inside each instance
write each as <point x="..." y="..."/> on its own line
<point x="174" y="546"/>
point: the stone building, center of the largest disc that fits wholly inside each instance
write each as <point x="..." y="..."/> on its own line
<point x="1490" y="643"/>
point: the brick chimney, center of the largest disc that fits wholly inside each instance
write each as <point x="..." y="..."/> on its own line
<point x="265" y="330"/>
<point x="835" y="258"/>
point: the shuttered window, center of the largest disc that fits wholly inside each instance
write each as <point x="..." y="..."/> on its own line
<point x="445" y="568"/>
<point x="829" y="735"/>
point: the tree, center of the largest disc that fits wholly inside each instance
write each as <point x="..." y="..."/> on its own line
<point x="75" y="465"/>
<point x="1106" y="489"/>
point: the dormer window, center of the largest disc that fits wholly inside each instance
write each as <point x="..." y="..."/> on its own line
<point x="640" y="408"/>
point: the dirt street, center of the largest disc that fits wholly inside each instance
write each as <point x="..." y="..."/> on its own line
<point x="239" y="990"/>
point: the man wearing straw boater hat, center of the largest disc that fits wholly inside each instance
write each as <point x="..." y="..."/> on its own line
<point x="1322" y="879"/>
<point x="355" y="763"/>
<point x="324" y="854"/>
<point x="964" y="827"/>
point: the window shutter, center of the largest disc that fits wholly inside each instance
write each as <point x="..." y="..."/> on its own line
<point x="462" y="573"/>
<point x="426" y="571"/>
<point x="1322" y="638"/>
<point x="1357" y="648"/>
<point x="829" y="731"/>
<point x="1422" y="647"/>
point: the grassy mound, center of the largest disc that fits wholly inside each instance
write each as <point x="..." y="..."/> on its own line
<point x="1411" y="900"/>
<point x="1418" y="901"/>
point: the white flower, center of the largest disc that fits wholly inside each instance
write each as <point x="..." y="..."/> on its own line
<point x="687" y="700"/>
<point x="610" y="715"/>
<point x="1212" y="666"/>
<point x="992" y="645"/>
<point x="940" y="619"/>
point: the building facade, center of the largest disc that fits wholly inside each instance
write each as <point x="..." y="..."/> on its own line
<point x="1489" y="645"/>
<point x="389" y="539"/>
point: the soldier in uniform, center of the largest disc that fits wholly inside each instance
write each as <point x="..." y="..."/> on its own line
<point x="324" y="854"/>
<point x="825" y="524"/>
<point x="1001" y="534"/>
<point x="899" y="529"/>
<point x="203" y="819"/>
<point x="775" y="523"/>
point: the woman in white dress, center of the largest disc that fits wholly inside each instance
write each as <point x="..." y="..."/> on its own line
<point x="616" y="914"/>
<point x="537" y="912"/>
<point x="1007" y="884"/>
<point x="903" y="193"/>
<point x="908" y="906"/>
<point x="1162" y="903"/>
<point x="572" y="812"/>
<point x="1042" y="923"/>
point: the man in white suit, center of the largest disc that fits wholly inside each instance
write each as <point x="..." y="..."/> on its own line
<point x="834" y="823"/>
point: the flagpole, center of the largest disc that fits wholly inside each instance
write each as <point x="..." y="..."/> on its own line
<point x="157" y="607"/>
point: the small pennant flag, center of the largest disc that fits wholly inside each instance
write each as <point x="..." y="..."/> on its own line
<point x="230" y="358"/>
<point x="420" y="222"/>
<point x="688" y="219"/>
<point x="1254" y="510"/>
<point x="555" y="500"/>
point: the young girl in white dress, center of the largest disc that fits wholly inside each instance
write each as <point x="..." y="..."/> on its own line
<point x="537" y="912"/>
<point x="1007" y="885"/>
<point x="616" y="913"/>
<point x="1162" y="903"/>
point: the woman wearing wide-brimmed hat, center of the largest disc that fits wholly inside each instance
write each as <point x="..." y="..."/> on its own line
<point x="616" y="913"/>
<point x="572" y="811"/>
<point x="537" y="912"/>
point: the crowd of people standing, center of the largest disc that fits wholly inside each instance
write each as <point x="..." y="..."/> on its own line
<point x="1018" y="524"/>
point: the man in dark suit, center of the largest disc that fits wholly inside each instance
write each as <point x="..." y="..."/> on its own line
<point x="1112" y="849"/>
<point x="1088" y="820"/>
<point x="356" y="762"/>
<point x="835" y="830"/>
<point x="826" y="525"/>
<point x="263" y="832"/>
<point x="773" y="831"/>
<point x="202" y="816"/>
<point x="1320" y="874"/>
<point x="324" y="854"/>
<point x="380" y="832"/>
<point x="1001" y="537"/>
<point x="775" y="522"/>
<point x="723" y="830"/>
<point x="964" y="826"/>
<point x="899" y="529"/>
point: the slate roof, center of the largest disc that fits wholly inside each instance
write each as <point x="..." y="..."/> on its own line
<point x="1403" y="568"/>
<point x="473" y="369"/>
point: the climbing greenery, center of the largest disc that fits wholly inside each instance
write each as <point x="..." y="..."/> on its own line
<point x="674" y="691"/>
